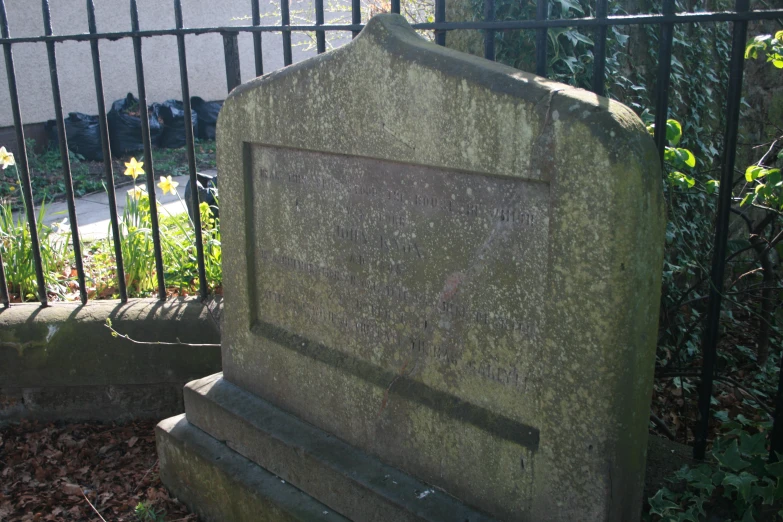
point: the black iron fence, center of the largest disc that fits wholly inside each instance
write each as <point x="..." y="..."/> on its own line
<point x="666" y="21"/>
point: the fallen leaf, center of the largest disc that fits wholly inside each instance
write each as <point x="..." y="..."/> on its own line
<point x="71" y="489"/>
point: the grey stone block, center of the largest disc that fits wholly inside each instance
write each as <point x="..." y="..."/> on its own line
<point x="348" y="480"/>
<point x="222" y="486"/>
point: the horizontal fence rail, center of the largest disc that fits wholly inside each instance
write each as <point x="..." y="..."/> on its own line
<point x="615" y="20"/>
<point x="666" y="22"/>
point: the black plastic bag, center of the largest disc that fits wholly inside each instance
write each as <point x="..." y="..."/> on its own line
<point x="207" y="116"/>
<point x="84" y="136"/>
<point x="125" y="126"/>
<point x="207" y="192"/>
<point x="173" y="114"/>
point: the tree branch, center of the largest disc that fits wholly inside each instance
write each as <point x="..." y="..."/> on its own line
<point x="662" y="425"/>
<point x="115" y="333"/>
<point x="727" y="380"/>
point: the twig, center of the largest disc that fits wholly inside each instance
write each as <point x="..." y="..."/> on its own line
<point x="727" y="380"/>
<point x="93" y="507"/>
<point x="115" y="333"/>
<point x="184" y="518"/>
<point x="750" y="272"/>
<point x="145" y="475"/>
<point x="661" y="425"/>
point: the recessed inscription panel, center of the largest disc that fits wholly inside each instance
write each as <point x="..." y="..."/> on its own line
<point x="437" y="275"/>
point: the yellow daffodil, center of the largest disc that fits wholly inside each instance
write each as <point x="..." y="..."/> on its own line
<point x="11" y="188"/>
<point x="136" y="192"/>
<point x="167" y="184"/>
<point x="134" y="168"/>
<point x="6" y="158"/>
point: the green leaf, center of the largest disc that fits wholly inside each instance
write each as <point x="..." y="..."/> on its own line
<point x="688" y="516"/>
<point x="753" y="444"/>
<point x="659" y="505"/>
<point x="673" y="131"/>
<point x="686" y="157"/>
<point x="742" y="483"/>
<point x="712" y="185"/>
<point x="776" y="469"/>
<point x="699" y="478"/>
<point x="748" y="516"/>
<point x="766" y="493"/>
<point x="779" y="36"/>
<point x="568" y="4"/>
<point x="773" y="176"/>
<point x="731" y="458"/>
<point x="778" y="63"/>
<point x="752" y="173"/>
<point x="679" y="179"/>
<point x="582" y="38"/>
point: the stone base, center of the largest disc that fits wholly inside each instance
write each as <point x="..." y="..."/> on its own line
<point x="265" y="441"/>
<point x="220" y="485"/>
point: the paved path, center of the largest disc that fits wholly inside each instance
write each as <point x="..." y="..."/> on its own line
<point x="92" y="211"/>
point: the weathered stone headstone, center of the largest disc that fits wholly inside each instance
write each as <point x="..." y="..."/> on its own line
<point x="439" y="269"/>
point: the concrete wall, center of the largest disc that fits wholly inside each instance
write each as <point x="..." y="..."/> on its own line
<point x="62" y="363"/>
<point x="205" y="52"/>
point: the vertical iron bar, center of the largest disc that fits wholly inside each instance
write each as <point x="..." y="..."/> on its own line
<point x="542" y="7"/>
<point x="776" y="438"/>
<point x="21" y="159"/>
<point x="740" y="31"/>
<point x="320" y="36"/>
<point x="231" y="54"/>
<point x="440" y="17"/>
<point x="148" y="160"/>
<point x="285" y="20"/>
<point x="599" y="50"/>
<point x="5" y="298"/>
<point x="489" y="35"/>
<point x="108" y="170"/>
<point x="662" y="83"/>
<point x="356" y="14"/>
<point x="183" y="73"/>
<point x="395" y="6"/>
<point x="257" y="49"/>
<point x="63" y="142"/>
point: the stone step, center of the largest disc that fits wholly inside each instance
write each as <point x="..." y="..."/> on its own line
<point x="355" y="484"/>
<point x="222" y="486"/>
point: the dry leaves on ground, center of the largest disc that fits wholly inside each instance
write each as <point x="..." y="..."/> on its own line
<point x="48" y="471"/>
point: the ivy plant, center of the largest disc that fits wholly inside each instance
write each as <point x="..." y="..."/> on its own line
<point x="739" y="484"/>
<point x="765" y="184"/>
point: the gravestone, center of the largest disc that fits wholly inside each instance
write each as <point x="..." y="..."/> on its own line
<point x="441" y="283"/>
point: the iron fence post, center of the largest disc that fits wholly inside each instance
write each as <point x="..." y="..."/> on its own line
<point x="489" y="35"/>
<point x="599" y="50"/>
<point x="148" y="159"/>
<point x="710" y="340"/>
<point x="257" y="48"/>
<point x="663" y="79"/>
<point x="190" y="147"/>
<point x="64" y="156"/>
<point x="231" y="54"/>
<point x="542" y="7"/>
<point x="108" y="169"/>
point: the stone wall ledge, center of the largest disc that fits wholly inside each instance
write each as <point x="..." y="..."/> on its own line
<point x="60" y="362"/>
